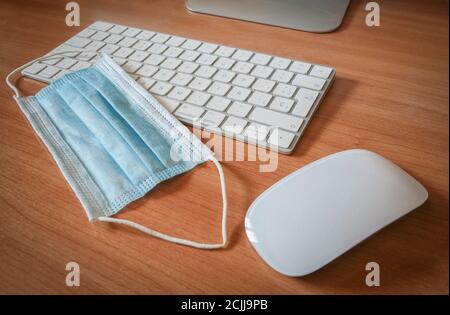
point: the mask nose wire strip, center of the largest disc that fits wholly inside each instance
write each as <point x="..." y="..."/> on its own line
<point x="49" y="56"/>
<point x="180" y="240"/>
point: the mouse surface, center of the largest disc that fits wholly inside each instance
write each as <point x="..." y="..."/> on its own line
<point x="320" y="211"/>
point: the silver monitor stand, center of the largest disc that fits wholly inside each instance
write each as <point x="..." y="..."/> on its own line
<point x="319" y="16"/>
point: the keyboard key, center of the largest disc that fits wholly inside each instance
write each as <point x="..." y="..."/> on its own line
<point x="160" y="38"/>
<point x="205" y="71"/>
<point x="206" y="59"/>
<point x="305" y="100"/>
<point x="262" y="71"/>
<point x="182" y="79"/>
<point x="171" y="63"/>
<point x="127" y="42"/>
<point x="100" y="36"/>
<point x="234" y="125"/>
<point x="212" y="119"/>
<point x="79" y="42"/>
<point x="280" y="63"/>
<point x="86" y="56"/>
<point x="282" y="76"/>
<point x="175" y="41"/>
<point x="94" y="46"/>
<point x="257" y="132"/>
<point x="218" y="103"/>
<point x="188" y="67"/>
<point x="219" y="88"/>
<point x="154" y="59"/>
<point x="242" y="55"/>
<point x="101" y="26"/>
<point x="198" y="98"/>
<point x="145" y="35"/>
<point x="224" y="51"/>
<point x="260" y="59"/>
<point x="139" y="55"/>
<point x="109" y="49"/>
<point x="49" y="72"/>
<point x="300" y="67"/>
<point x="80" y="65"/>
<point x="164" y="75"/>
<point x="117" y="29"/>
<point x="191" y="44"/>
<point x="173" y="52"/>
<point x="189" y="55"/>
<point x="243" y="80"/>
<point x="263" y="85"/>
<point x="131" y="32"/>
<point x="123" y="52"/>
<point x="309" y="82"/>
<point x="113" y="39"/>
<point x="285" y="90"/>
<point x="281" y="138"/>
<point x="276" y="119"/>
<point x="142" y="45"/>
<point x="282" y="104"/>
<point x="179" y="93"/>
<point x="260" y="99"/>
<point x="189" y="112"/>
<point x="243" y="67"/>
<point x="239" y="109"/>
<point x="321" y="72"/>
<point x="161" y="88"/>
<point x="157" y="48"/>
<point x="207" y="48"/>
<point x="224" y="63"/>
<point x="146" y="82"/>
<point x="131" y="66"/>
<point x="147" y="71"/>
<point x="200" y="84"/>
<point x="66" y="63"/>
<point x="224" y="76"/>
<point x="34" y="68"/>
<point x="239" y="93"/>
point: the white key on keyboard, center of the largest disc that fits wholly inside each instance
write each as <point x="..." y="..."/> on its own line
<point x="239" y="94"/>
<point x="219" y="88"/>
<point x="257" y="132"/>
<point x="182" y="79"/>
<point x="200" y="84"/>
<point x="161" y="88"/>
<point x="321" y="72"/>
<point x="212" y="118"/>
<point x="264" y="85"/>
<point x="309" y="82"/>
<point x="281" y="138"/>
<point x="305" y="100"/>
<point x="189" y="112"/>
<point x="260" y="99"/>
<point x="222" y="86"/>
<point x="300" y="67"/>
<point x="198" y="98"/>
<point x="239" y="109"/>
<point x="234" y="125"/>
<point x="179" y="93"/>
<point x="276" y="119"/>
<point x="218" y="103"/>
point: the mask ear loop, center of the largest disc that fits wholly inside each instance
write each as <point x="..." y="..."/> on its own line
<point x="49" y="56"/>
<point x="180" y="240"/>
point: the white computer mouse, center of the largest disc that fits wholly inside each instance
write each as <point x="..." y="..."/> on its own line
<point x="320" y="211"/>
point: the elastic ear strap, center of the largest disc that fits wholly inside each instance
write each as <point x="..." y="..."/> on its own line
<point x="180" y="240"/>
<point x="49" y="56"/>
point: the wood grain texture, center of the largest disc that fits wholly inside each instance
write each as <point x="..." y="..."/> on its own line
<point x="390" y="96"/>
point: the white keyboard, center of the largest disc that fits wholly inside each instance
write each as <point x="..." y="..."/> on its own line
<point x="230" y="91"/>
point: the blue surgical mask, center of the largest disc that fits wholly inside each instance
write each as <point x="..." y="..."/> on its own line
<point x="113" y="141"/>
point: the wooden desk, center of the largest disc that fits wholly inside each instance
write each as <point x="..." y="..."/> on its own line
<point x="390" y="96"/>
